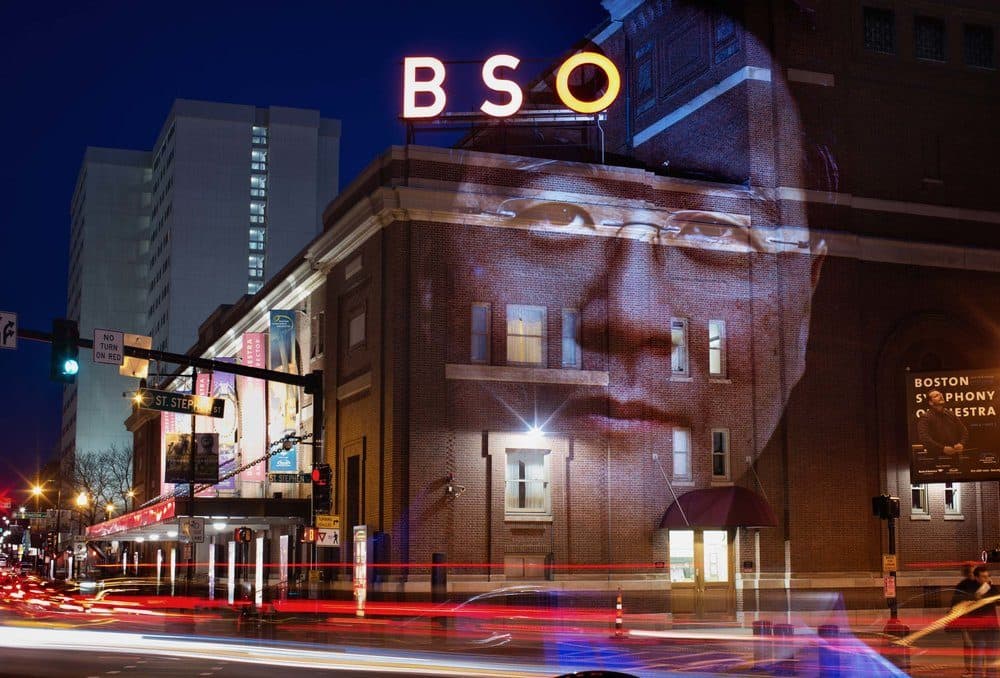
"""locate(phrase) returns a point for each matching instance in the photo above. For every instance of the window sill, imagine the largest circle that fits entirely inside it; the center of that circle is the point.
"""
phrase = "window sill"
(514, 518)
(530, 375)
(920, 516)
(954, 516)
(719, 380)
(682, 379)
(687, 482)
(721, 482)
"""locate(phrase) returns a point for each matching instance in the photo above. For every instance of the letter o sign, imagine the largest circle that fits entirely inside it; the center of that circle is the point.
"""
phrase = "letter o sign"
(584, 59)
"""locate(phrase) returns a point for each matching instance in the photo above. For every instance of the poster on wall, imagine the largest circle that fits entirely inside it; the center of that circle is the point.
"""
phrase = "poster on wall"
(178, 457)
(170, 423)
(954, 433)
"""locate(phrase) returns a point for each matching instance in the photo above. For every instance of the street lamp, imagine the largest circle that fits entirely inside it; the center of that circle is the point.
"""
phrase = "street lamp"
(110, 508)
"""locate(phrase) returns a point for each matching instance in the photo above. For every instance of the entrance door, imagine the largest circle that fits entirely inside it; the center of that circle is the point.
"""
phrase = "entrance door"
(701, 574)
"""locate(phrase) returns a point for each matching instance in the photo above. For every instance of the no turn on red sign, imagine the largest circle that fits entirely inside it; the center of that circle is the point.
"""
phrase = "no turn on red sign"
(109, 347)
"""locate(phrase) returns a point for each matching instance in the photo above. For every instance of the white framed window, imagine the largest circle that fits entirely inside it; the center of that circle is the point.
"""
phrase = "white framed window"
(528, 491)
(679, 347)
(682, 453)
(479, 351)
(356, 330)
(952, 499)
(717, 348)
(572, 356)
(526, 334)
(257, 207)
(720, 454)
(918, 500)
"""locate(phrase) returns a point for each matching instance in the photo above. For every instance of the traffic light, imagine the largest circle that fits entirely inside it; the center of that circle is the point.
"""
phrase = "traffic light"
(321, 477)
(885, 507)
(64, 362)
(243, 535)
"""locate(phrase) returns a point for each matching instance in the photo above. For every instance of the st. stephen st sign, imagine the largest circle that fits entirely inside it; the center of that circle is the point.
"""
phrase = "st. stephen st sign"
(425, 75)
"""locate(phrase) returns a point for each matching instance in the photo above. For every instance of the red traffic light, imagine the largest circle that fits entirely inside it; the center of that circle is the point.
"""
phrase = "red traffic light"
(316, 477)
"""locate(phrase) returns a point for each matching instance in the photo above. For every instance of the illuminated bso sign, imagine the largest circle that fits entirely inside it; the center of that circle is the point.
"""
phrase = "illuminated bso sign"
(426, 75)
(954, 432)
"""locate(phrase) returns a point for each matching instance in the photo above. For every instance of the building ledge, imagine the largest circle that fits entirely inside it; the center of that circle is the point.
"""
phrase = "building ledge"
(531, 375)
(355, 386)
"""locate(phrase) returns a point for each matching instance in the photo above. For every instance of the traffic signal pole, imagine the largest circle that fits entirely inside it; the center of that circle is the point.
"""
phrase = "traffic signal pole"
(311, 383)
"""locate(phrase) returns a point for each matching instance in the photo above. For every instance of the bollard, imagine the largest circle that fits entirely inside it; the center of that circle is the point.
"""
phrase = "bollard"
(762, 650)
(784, 649)
(619, 617)
(439, 578)
(898, 654)
(828, 650)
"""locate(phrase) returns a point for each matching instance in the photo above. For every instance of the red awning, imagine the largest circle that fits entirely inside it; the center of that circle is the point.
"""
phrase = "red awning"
(731, 506)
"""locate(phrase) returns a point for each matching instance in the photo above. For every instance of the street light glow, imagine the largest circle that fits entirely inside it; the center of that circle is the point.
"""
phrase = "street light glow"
(82, 500)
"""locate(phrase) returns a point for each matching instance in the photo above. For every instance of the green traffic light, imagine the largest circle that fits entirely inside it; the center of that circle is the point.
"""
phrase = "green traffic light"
(70, 366)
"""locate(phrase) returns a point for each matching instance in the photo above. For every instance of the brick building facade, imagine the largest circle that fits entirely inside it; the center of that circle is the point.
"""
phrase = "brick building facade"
(529, 363)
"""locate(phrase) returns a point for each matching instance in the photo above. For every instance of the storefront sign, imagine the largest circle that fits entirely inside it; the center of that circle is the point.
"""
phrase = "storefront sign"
(954, 432)
(426, 76)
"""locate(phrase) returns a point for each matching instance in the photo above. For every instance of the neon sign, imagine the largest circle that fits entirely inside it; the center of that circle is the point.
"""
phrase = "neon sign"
(434, 85)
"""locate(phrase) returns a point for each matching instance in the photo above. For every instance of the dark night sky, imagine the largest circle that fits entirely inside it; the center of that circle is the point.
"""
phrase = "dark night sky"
(105, 74)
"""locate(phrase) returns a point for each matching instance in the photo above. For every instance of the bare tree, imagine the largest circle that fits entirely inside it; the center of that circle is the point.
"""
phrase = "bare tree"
(106, 478)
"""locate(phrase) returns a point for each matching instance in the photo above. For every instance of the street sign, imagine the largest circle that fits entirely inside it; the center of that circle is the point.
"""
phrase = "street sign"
(288, 477)
(889, 563)
(185, 403)
(34, 515)
(327, 537)
(192, 529)
(8, 330)
(325, 522)
(890, 587)
(136, 367)
(109, 347)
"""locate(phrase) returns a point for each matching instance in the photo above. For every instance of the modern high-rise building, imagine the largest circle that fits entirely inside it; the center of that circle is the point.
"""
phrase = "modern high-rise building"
(159, 239)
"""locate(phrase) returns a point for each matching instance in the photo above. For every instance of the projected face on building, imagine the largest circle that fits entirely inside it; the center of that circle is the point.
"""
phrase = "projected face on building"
(691, 300)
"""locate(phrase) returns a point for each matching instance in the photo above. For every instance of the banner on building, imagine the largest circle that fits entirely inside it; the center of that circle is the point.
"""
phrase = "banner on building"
(205, 447)
(224, 387)
(954, 432)
(253, 409)
(283, 356)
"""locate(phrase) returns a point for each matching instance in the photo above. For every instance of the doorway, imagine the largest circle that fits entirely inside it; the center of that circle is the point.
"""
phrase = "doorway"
(701, 574)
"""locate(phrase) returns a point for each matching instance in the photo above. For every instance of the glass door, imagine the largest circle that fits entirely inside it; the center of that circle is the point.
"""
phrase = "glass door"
(701, 580)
